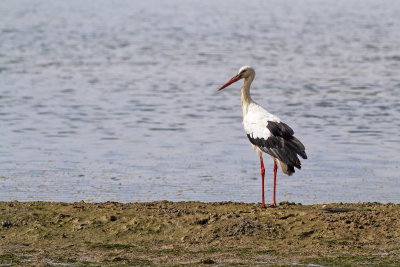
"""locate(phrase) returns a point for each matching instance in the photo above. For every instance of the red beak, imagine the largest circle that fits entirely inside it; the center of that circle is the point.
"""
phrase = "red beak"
(232, 80)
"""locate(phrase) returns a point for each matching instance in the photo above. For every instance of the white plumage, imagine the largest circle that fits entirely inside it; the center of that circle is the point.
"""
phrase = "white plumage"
(267, 133)
(255, 124)
(256, 120)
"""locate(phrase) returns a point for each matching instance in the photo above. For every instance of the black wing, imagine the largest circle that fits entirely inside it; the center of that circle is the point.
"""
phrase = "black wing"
(281, 144)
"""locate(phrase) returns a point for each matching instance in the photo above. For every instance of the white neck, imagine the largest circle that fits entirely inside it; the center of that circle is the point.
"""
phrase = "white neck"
(246, 99)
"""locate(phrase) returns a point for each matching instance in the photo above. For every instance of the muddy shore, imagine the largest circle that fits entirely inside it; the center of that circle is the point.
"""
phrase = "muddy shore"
(196, 233)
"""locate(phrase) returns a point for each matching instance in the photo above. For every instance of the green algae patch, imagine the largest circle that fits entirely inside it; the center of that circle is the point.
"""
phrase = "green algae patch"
(196, 233)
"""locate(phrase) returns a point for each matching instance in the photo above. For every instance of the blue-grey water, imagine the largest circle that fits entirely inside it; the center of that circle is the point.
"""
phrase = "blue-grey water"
(116, 100)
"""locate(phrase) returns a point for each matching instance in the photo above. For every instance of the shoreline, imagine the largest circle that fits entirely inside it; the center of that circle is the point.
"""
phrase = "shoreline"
(198, 233)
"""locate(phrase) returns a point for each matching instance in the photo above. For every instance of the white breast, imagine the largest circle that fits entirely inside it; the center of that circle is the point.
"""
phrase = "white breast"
(255, 121)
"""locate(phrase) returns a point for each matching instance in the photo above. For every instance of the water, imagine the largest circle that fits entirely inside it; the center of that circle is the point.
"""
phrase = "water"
(116, 100)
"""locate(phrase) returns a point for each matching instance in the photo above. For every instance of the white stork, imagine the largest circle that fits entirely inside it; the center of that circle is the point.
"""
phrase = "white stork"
(267, 133)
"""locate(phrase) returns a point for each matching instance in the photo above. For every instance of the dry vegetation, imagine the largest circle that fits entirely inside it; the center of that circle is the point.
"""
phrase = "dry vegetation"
(195, 233)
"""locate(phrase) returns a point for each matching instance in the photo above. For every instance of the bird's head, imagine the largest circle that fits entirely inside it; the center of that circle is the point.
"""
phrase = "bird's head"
(244, 73)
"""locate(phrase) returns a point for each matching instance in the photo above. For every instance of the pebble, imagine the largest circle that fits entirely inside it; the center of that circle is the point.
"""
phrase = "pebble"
(6, 223)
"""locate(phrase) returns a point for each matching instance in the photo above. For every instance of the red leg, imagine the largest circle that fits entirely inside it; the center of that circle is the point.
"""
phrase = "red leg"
(275, 169)
(262, 180)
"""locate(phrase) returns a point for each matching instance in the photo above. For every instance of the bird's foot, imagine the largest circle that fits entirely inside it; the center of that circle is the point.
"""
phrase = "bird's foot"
(273, 205)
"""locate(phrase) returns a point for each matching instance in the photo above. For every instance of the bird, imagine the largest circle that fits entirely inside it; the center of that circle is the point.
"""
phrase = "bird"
(267, 133)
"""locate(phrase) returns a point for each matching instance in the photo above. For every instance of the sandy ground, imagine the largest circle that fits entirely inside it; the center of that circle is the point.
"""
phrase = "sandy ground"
(196, 233)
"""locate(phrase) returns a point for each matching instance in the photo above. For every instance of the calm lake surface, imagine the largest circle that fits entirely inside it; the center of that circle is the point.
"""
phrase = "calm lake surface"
(116, 100)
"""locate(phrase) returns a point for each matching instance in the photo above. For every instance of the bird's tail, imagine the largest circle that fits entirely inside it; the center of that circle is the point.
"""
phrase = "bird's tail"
(285, 168)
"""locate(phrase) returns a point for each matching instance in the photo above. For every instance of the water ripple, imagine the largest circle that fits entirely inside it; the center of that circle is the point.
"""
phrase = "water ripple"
(117, 100)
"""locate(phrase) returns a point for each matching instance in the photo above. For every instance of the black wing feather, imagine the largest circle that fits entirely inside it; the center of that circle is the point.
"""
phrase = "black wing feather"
(281, 144)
